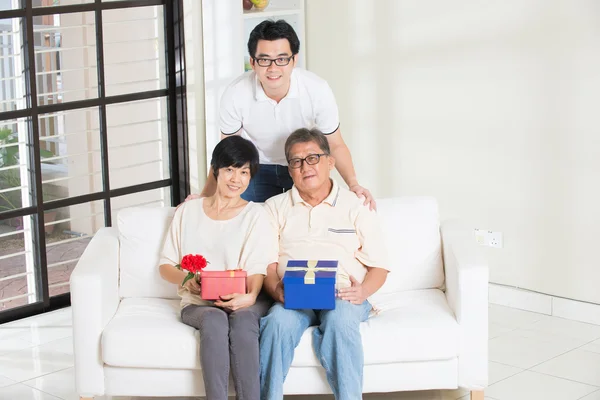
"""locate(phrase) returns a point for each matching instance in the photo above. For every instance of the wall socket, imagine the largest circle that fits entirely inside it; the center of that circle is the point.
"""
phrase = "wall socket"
(488, 238)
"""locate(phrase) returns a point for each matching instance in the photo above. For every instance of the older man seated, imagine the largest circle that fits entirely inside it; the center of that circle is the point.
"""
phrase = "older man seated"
(317, 219)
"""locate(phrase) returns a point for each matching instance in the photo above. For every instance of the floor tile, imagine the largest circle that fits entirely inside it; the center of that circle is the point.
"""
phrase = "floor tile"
(150, 398)
(511, 317)
(495, 330)
(416, 395)
(30, 363)
(63, 345)
(593, 396)
(566, 328)
(577, 365)
(529, 385)
(60, 384)
(526, 352)
(24, 392)
(10, 332)
(37, 334)
(498, 372)
(40, 329)
(58, 318)
(153, 398)
(593, 346)
(13, 344)
(4, 381)
(551, 337)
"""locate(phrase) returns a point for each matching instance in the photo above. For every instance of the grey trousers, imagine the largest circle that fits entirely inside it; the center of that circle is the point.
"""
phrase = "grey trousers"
(229, 339)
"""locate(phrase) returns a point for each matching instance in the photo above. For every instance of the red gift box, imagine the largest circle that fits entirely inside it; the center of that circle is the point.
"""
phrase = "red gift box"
(214, 284)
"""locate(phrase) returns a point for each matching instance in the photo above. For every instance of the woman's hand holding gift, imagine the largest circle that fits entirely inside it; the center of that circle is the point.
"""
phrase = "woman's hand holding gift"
(236, 301)
(192, 286)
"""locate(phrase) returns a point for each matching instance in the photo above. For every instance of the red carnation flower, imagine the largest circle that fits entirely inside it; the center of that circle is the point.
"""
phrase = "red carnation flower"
(193, 263)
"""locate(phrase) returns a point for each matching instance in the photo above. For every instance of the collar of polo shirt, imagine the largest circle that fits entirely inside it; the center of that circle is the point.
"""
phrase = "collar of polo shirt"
(331, 199)
(260, 95)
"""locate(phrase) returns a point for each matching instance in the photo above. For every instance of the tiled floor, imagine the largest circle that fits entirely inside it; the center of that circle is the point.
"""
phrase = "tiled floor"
(532, 356)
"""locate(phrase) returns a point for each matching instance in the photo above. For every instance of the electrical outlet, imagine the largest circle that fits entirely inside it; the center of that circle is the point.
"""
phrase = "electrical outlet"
(488, 238)
(495, 239)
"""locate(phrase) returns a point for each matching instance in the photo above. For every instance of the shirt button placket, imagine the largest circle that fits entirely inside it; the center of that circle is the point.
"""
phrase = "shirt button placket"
(315, 226)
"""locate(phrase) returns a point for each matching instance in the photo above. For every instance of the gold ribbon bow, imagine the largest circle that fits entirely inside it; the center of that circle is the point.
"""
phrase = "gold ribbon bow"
(311, 268)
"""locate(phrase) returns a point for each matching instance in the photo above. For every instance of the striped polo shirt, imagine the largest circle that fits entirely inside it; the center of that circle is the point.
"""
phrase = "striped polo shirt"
(339, 228)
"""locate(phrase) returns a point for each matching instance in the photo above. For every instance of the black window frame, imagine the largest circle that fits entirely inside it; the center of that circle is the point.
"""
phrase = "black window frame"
(175, 94)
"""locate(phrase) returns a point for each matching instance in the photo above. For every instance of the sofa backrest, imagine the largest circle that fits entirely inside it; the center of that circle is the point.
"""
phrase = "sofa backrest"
(141, 236)
(410, 229)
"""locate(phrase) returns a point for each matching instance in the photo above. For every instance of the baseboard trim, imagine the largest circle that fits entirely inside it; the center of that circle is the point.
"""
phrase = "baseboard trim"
(528, 300)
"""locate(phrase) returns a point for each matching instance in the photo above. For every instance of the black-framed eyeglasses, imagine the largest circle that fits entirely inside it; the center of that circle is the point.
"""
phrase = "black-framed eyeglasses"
(280, 61)
(310, 159)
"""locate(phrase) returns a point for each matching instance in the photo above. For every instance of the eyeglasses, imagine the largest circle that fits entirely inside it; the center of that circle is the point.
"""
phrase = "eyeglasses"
(310, 159)
(280, 62)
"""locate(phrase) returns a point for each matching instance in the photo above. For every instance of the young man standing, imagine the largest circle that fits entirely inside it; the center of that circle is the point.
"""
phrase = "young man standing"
(268, 103)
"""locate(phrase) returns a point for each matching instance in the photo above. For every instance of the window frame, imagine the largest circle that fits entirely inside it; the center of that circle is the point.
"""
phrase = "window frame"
(174, 93)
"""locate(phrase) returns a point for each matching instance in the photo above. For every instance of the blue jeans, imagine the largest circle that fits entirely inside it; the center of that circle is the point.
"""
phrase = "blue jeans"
(270, 180)
(336, 341)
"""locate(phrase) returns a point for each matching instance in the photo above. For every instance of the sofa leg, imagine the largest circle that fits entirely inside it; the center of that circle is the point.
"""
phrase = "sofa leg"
(476, 394)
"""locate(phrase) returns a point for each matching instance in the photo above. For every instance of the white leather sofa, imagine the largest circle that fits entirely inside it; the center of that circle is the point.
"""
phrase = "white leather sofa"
(432, 333)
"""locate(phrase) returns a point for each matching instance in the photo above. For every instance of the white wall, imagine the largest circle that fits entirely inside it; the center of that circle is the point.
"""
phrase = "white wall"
(194, 73)
(492, 107)
(223, 61)
(214, 53)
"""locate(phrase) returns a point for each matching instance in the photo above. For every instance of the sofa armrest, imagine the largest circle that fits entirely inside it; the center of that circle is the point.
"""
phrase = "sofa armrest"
(94, 301)
(467, 278)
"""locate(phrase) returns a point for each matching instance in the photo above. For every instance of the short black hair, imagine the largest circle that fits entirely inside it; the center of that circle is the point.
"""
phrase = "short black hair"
(273, 30)
(234, 151)
(304, 135)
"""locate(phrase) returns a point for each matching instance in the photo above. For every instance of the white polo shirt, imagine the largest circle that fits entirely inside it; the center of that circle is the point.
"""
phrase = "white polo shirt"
(309, 104)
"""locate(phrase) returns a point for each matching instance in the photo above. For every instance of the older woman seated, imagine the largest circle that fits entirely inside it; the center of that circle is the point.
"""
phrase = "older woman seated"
(230, 233)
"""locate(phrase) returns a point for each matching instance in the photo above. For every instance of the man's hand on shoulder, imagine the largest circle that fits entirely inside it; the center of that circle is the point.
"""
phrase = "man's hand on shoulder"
(362, 192)
(191, 197)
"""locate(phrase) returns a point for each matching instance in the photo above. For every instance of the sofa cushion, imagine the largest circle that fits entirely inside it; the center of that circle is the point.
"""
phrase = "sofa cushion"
(417, 326)
(148, 333)
(411, 232)
(141, 236)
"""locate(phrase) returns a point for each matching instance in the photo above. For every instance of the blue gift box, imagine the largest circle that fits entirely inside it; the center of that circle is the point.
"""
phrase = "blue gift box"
(309, 284)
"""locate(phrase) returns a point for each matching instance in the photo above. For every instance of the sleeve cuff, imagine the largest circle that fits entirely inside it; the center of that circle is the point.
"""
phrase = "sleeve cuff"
(232, 133)
(333, 131)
